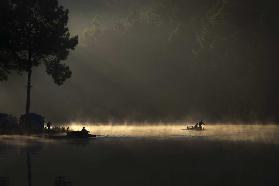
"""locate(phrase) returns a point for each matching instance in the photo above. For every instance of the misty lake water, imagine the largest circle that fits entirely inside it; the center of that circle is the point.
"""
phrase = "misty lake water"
(257, 133)
(147, 155)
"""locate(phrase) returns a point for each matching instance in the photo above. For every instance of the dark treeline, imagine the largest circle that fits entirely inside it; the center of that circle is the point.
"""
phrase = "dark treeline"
(167, 60)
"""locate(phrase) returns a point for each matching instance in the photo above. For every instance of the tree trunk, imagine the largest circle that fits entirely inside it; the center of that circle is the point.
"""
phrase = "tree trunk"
(28, 95)
(28, 100)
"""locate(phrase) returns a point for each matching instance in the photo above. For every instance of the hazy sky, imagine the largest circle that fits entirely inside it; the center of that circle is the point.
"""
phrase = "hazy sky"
(162, 60)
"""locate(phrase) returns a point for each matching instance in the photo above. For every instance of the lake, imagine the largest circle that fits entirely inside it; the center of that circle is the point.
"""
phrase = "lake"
(163, 154)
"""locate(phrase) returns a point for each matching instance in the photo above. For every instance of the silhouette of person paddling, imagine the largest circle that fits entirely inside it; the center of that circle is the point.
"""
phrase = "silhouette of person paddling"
(84, 131)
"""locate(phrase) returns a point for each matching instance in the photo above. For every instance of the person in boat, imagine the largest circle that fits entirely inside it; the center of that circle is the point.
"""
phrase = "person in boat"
(84, 131)
(48, 125)
(196, 125)
(200, 123)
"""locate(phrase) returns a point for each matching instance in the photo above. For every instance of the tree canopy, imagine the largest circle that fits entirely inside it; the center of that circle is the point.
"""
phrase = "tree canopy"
(39, 34)
(5, 57)
(35, 32)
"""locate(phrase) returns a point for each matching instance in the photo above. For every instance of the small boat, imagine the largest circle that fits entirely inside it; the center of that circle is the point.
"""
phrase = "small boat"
(195, 128)
(80, 134)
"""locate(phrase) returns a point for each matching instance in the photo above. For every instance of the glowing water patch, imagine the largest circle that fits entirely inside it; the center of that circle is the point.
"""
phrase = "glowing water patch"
(257, 133)
(252, 133)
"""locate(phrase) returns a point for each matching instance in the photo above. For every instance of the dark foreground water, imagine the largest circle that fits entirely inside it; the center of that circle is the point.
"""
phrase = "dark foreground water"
(242, 156)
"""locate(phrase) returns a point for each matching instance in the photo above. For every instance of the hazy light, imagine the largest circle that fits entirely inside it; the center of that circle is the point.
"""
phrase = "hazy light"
(256, 133)
(268, 134)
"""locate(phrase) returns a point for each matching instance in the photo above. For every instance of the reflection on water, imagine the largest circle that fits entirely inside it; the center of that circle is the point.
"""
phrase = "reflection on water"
(20, 140)
(257, 133)
(162, 155)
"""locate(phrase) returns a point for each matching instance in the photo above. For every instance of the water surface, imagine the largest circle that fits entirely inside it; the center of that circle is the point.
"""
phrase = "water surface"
(164, 155)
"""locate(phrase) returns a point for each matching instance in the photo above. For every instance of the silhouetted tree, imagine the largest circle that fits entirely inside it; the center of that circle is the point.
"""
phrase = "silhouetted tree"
(5, 57)
(37, 34)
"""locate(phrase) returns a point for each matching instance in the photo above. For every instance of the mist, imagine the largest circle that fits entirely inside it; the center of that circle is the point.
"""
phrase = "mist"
(162, 60)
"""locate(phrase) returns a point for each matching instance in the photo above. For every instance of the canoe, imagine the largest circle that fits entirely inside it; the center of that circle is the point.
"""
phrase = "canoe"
(195, 128)
(80, 134)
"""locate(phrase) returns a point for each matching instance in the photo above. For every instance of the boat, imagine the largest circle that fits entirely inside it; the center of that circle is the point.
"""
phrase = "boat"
(195, 128)
(80, 134)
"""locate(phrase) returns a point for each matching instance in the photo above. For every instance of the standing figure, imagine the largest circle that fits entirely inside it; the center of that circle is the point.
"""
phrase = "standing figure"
(48, 125)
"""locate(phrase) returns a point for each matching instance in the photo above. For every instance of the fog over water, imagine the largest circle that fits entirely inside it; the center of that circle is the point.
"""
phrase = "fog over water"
(268, 134)
(227, 132)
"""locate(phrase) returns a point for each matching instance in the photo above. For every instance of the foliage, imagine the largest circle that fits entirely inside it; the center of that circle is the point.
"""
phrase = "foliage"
(37, 33)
